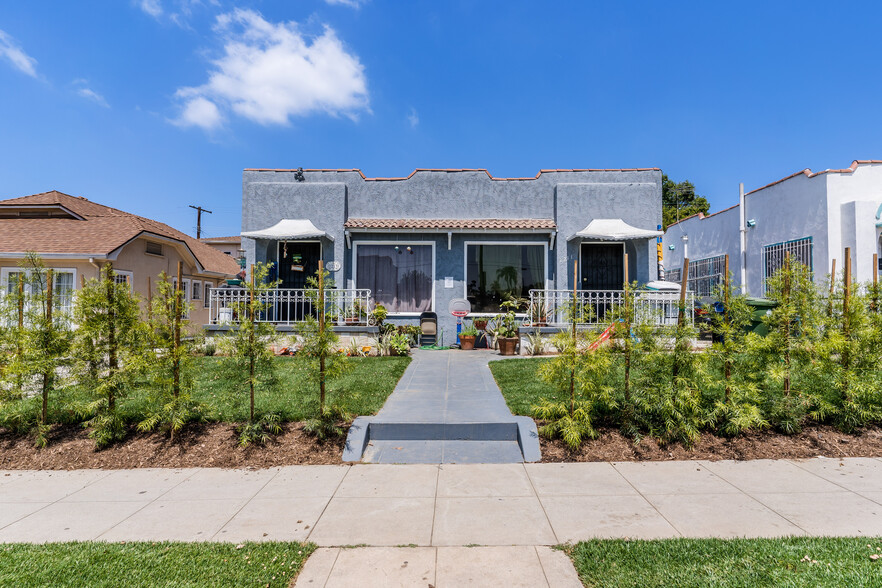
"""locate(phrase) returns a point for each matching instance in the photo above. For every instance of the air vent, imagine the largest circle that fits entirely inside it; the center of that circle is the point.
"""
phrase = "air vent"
(154, 248)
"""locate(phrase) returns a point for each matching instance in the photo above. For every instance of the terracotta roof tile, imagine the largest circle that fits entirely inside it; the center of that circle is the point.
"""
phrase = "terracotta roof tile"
(104, 230)
(452, 223)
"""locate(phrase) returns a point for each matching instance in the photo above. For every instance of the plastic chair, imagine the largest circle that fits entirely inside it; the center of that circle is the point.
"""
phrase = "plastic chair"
(428, 328)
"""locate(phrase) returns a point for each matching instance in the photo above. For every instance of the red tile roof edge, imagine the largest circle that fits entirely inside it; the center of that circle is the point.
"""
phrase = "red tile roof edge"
(807, 172)
(536, 177)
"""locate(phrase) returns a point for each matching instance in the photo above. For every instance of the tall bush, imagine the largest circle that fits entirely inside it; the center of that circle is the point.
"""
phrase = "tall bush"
(109, 349)
(169, 361)
(249, 363)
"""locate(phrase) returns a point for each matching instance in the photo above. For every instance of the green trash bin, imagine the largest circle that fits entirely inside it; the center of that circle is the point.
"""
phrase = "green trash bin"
(761, 307)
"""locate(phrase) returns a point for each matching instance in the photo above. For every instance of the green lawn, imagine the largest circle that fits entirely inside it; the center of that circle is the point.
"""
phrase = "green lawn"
(151, 564)
(362, 390)
(519, 382)
(733, 563)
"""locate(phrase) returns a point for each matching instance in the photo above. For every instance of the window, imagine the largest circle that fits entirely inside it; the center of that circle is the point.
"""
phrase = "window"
(773, 255)
(186, 295)
(207, 298)
(197, 290)
(399, 275)
(154, 248)
(497, 271)
(123, 277)
(674, 275)
(62, 286)
(706, 274)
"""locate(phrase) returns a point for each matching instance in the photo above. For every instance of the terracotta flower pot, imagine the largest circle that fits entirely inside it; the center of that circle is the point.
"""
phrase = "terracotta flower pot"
(480, 324)
(466, 343)
(507, 345)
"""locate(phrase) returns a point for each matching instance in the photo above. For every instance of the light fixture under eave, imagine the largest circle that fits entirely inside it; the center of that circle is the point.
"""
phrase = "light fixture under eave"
(751, 223)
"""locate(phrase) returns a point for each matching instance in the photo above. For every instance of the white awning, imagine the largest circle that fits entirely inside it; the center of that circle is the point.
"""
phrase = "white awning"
(614, 229)
(289, 229)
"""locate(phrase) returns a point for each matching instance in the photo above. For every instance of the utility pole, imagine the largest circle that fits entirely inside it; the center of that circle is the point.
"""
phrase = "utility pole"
(199, 210)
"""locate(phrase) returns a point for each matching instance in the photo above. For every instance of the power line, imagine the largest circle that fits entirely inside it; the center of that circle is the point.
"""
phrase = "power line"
(199, 210)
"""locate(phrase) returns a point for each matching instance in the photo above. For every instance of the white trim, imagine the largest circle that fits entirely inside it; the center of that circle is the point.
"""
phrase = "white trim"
(624, 254)
(206, 287)
(130, 277)
(355, 245)
(465, 267)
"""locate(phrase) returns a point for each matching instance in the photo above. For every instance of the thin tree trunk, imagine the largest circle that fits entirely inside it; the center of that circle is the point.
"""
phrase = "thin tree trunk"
(681, 318)
(846, 323)
(47, 375)
(111, 337)
(728, 362)
(176, 366)
(251, 343)
(786, 300)
(573, 365)
(321, 288)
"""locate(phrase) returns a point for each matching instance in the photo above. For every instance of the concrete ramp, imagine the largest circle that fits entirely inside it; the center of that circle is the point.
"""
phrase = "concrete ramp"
(446, 409)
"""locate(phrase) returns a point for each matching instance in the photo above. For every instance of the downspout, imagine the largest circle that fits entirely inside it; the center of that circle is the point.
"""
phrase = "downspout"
(743, 230)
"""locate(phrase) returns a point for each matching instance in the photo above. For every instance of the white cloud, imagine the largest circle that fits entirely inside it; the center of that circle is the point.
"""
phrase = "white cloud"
(413, 118)
(271, 71)
(200, 112)
(349, 3)
(151, 7)
(12, 52)
(82, 89)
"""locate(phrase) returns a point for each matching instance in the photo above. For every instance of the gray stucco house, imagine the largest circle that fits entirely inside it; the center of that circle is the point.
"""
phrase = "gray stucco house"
(813, 216)
(420, 241)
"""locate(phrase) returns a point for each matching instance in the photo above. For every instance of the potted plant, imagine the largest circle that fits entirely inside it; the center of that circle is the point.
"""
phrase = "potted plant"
(467, 336)
(480, 323)
(355, 313)
(378, 315)
(539, 312)
(507, 334)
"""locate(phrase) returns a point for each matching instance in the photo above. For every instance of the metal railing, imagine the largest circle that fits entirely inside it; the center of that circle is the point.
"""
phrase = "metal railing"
(594, 308)
(288, 306)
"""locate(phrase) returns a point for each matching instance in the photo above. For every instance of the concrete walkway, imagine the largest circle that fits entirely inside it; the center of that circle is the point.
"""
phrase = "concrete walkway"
(446, 408)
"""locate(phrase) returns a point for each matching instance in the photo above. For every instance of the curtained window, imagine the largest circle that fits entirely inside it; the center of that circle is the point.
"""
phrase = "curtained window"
(399, 276)
(496, 272)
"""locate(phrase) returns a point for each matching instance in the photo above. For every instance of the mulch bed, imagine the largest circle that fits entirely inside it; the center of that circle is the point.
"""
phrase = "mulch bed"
(214, 445)
(813, 441)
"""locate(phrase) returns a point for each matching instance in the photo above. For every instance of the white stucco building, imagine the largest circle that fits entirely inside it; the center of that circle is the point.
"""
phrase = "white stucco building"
(813, 215)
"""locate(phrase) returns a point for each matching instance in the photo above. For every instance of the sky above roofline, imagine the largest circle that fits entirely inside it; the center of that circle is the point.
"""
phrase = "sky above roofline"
(159, 104)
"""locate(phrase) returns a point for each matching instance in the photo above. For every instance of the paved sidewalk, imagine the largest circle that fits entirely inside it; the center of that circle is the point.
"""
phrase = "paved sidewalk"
(447, 505)
(441, 567)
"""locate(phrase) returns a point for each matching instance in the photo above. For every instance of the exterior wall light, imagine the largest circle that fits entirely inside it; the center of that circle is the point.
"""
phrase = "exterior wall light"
(751, 223)
(671, 247)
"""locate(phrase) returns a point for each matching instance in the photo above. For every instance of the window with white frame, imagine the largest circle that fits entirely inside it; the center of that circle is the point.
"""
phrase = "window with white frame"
(800, 250)
(186, 294)
(706, 274)
(63, 281)
(497, 271)
(207, 298)
(197, 290)
(674, 275)
(399, 275)
(123, 277)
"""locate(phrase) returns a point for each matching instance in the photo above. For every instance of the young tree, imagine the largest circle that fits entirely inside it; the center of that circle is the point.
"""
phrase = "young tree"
(249, 364)
(109, 347)
(42, 335)
(784, 357)
(322, 346)
(169, 360)
(737, 407)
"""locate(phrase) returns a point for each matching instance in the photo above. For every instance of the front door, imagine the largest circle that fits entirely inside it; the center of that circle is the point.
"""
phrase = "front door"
(603, 266)
(298, 261)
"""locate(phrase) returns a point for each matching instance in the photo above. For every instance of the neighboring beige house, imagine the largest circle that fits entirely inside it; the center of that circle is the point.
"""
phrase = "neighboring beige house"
(75, 236)
(231, 246)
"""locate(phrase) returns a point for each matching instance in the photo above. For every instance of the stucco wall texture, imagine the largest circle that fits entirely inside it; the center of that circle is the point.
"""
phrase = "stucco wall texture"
(836, 209)
(571, 198)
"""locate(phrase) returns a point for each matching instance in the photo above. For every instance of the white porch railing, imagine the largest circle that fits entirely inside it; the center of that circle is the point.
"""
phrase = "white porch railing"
(553, 307)
(288, 306)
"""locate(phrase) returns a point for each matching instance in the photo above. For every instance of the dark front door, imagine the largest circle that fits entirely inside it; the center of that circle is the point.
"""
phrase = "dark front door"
(602, 266)
(297, 262)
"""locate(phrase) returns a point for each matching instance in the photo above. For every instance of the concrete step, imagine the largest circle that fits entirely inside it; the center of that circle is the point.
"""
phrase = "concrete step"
(441, 451)
(377, 440)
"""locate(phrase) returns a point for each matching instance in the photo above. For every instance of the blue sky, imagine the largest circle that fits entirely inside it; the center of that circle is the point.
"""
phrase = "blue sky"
(151, 105)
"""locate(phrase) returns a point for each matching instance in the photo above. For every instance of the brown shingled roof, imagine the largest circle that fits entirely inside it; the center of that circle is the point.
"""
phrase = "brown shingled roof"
(452, 223)
(102, 231)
